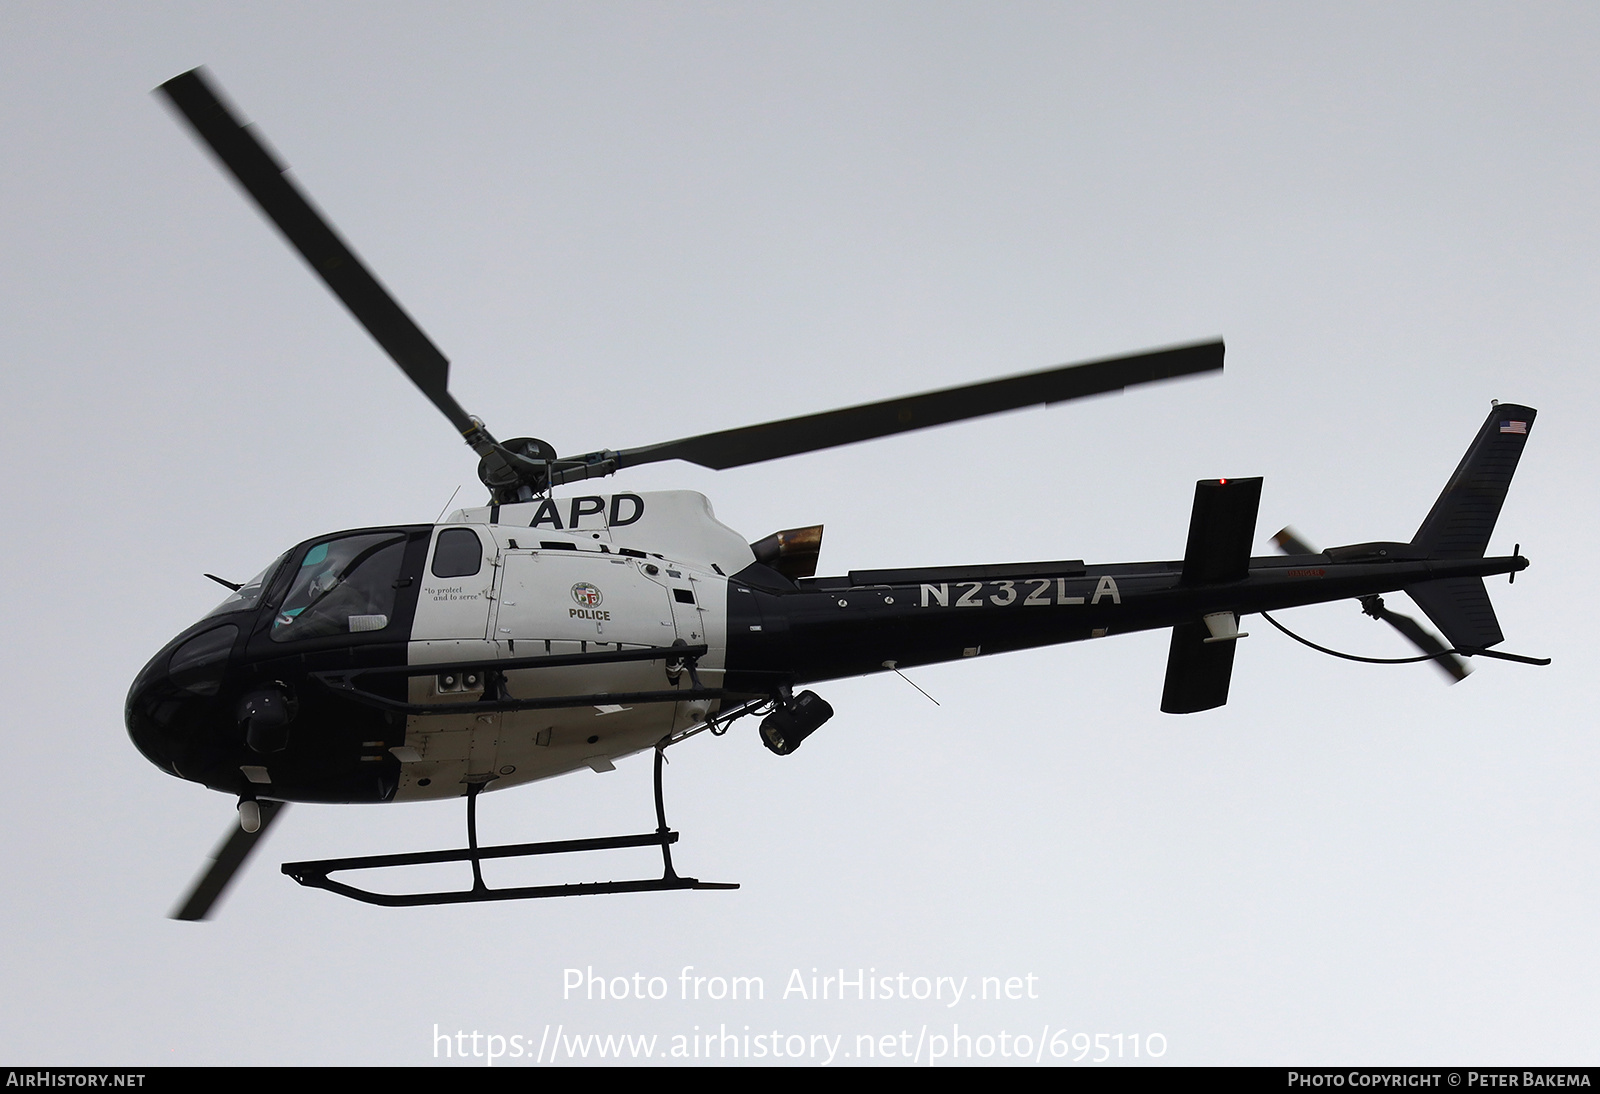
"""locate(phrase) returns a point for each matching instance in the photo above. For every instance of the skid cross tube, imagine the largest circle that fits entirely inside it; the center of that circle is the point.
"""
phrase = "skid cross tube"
(315, 874)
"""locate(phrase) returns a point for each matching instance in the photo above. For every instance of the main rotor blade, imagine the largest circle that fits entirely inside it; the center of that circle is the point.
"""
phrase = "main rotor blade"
(309, 233)
(226, 861)
(791, 436)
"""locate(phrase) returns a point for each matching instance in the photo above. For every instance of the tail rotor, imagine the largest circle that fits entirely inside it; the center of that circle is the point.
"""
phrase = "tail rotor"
(1419, 636)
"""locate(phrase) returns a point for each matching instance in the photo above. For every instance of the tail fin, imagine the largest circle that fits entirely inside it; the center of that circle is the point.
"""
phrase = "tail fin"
(1460, 608)
(1463, 518)
(1461, 522)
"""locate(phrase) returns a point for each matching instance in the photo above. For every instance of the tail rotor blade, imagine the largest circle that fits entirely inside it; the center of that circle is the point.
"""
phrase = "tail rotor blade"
(1290, 543)
(1426, 641)
(226, 861)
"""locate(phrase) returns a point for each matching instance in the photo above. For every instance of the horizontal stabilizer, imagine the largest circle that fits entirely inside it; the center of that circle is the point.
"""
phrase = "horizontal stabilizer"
(1222, 527)
(1198, 671)
(1460, 608)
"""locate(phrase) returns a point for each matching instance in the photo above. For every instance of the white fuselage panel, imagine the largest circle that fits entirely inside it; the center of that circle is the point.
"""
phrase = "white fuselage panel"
(549, 592)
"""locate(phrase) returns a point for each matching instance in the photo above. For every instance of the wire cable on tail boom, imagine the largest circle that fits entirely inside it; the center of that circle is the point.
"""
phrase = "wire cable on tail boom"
(1407, 660)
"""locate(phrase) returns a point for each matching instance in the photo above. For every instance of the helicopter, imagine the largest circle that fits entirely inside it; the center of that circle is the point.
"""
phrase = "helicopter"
(538, 634)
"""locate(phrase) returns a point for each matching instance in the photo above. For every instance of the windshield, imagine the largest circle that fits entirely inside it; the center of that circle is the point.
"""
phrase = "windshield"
(248, 595)
(344, 585)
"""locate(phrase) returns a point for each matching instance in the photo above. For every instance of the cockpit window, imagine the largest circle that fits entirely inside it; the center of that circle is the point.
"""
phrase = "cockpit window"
(344, 586)
(248, 595)
(197, 665)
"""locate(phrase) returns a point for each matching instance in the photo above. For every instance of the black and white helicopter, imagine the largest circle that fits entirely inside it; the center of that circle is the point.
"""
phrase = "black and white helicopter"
(538, 635)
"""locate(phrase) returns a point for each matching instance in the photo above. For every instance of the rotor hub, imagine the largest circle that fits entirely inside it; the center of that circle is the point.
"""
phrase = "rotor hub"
(508, 482)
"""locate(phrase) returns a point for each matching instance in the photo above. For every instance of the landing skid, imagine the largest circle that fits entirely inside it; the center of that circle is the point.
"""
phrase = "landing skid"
(315, 874)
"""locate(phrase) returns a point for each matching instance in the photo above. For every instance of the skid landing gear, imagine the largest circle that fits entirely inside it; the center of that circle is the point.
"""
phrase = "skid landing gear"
(315, 874)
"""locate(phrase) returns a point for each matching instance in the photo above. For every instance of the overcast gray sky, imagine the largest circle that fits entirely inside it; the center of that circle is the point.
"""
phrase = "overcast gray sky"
(631, 222)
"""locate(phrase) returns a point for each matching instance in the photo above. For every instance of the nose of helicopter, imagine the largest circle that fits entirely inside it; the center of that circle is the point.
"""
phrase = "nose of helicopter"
(174, 710)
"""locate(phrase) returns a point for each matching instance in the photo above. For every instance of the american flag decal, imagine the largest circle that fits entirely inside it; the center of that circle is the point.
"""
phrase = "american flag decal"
(1514, 427)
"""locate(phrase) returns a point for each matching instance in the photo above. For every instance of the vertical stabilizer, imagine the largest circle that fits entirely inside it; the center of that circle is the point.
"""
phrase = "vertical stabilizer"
(1463, 518)
(1461, 522)
(1460, 608)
